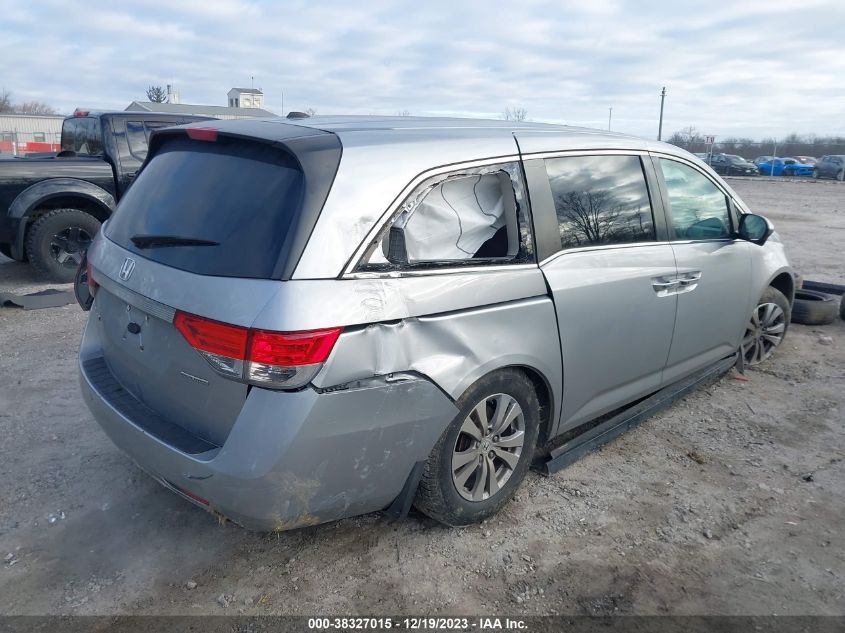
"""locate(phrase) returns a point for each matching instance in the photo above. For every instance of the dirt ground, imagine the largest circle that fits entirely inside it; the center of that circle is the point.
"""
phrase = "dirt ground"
(752, 523)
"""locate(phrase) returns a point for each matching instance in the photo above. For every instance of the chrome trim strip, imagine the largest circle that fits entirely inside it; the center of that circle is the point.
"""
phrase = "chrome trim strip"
(605, 247)
(406, 191)
(393, 274)
(150, 306)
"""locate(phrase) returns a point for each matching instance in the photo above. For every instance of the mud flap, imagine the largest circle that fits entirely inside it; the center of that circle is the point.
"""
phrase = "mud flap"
(402, 504)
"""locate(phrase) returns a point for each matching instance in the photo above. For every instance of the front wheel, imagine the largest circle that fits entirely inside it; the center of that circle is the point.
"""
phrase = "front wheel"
(57, 240)
(482, 457)
(766, 328)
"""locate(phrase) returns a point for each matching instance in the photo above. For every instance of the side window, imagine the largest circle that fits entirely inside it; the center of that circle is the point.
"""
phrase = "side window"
(600, 200)
(699, 208)
(137, 139)
(470, 217)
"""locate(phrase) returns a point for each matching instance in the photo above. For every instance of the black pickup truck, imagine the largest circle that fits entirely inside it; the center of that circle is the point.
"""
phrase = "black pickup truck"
(51, 207)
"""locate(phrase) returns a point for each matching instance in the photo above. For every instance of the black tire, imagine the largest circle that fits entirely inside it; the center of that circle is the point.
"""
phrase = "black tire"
(438, 495)
(825, 287)
(59, 262)
(814, 308)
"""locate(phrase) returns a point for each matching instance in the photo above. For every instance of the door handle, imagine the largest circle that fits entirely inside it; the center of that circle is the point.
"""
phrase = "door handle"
(687, 282)
(663, 286)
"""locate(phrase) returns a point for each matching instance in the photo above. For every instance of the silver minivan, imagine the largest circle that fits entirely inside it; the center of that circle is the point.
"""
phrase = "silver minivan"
(301, 320)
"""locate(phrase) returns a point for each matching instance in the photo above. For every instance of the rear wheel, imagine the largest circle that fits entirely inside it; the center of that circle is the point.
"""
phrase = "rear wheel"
(57, 240)
(766, 328)
(482, 457)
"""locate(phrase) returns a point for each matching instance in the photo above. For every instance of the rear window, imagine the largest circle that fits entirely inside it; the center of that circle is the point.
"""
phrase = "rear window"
(239, 198)
(83, 135)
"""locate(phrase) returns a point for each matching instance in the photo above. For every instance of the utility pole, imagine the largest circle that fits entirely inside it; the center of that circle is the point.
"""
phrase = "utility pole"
(660, 127)
(609, 117)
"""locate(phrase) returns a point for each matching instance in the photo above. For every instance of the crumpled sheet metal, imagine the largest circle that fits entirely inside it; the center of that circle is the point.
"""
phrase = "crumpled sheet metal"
(454, 349)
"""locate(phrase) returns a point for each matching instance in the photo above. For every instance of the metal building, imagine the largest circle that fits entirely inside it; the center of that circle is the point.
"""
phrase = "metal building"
(218, 112)
(21, 134)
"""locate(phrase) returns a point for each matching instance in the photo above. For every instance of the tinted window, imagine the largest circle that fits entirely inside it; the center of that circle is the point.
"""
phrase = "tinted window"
(137, 139)
(600, 200)
(699, 208)
(467, 217)
(243, 196)
(83, 136)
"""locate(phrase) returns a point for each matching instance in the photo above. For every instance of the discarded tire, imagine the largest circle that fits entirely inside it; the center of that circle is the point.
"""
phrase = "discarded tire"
(814, 308)
(823, 286)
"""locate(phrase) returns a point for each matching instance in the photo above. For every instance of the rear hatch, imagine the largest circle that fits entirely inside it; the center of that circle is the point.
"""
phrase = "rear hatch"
(211, 227)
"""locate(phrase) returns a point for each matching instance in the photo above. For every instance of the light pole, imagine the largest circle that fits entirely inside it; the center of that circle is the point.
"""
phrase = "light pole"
(662, 99)
(609, 117)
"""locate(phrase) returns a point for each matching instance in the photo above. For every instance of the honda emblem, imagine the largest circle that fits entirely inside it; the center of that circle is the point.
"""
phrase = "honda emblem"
(127, 268)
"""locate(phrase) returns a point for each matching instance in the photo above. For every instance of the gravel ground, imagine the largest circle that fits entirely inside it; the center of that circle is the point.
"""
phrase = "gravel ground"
(730, 502)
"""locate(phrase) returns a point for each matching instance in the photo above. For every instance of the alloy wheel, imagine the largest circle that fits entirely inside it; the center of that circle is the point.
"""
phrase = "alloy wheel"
(764, 333)
(488, 447)
(68, 245)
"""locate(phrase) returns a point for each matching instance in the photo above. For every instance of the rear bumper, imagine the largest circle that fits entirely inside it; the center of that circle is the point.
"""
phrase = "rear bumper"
(292, 458)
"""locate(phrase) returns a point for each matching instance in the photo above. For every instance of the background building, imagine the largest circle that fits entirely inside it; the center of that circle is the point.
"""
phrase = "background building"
(25, 133)
(244, 103)
(246, 98)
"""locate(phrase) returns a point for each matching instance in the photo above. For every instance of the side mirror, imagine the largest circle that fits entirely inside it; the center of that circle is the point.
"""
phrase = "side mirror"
(755, 228)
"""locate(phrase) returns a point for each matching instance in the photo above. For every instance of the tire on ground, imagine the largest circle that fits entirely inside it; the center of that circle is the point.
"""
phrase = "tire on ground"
(813, 308)
(437, 495)
(41, 233)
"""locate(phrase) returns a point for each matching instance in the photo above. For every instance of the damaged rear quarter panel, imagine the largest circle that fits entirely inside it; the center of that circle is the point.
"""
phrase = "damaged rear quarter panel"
(454, 348)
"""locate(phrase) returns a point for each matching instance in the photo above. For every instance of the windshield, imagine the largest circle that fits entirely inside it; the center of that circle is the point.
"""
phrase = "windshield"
(223, 208)
(82, 135)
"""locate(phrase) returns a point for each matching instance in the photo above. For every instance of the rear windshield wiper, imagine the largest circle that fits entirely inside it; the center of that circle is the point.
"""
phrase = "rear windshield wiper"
(150, 241)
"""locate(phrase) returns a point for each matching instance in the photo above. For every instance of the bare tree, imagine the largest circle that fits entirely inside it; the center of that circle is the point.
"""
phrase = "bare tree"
(515, 114)
(6, 101)
(310, 111)
(596, 217)
(156, 94)
(34, 107)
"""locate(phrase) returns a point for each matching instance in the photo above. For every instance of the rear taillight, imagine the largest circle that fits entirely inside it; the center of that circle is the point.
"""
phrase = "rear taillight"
(278, 360)
(92, 283)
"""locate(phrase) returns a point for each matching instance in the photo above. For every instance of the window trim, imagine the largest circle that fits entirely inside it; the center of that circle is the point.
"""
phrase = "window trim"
(351, 270)
(730, 202)
(144, 131)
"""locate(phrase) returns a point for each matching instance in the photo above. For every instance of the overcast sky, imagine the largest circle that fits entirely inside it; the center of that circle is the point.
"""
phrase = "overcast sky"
(731, 67)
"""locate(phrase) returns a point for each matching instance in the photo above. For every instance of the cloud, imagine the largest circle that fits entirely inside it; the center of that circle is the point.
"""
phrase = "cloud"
(755, 68)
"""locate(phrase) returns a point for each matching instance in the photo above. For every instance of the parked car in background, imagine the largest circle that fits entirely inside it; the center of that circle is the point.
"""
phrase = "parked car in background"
(762, 159)
(52, 206)
(830, 167)
(732, 165)
(806, 160)
(287, 338)
(794, 167)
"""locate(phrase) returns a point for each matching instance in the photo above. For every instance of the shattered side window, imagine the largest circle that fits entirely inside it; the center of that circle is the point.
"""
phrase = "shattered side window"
(470, 217)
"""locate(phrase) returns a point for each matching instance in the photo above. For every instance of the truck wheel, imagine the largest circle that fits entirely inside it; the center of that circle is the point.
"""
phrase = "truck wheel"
(482, 457)
(56, 240)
